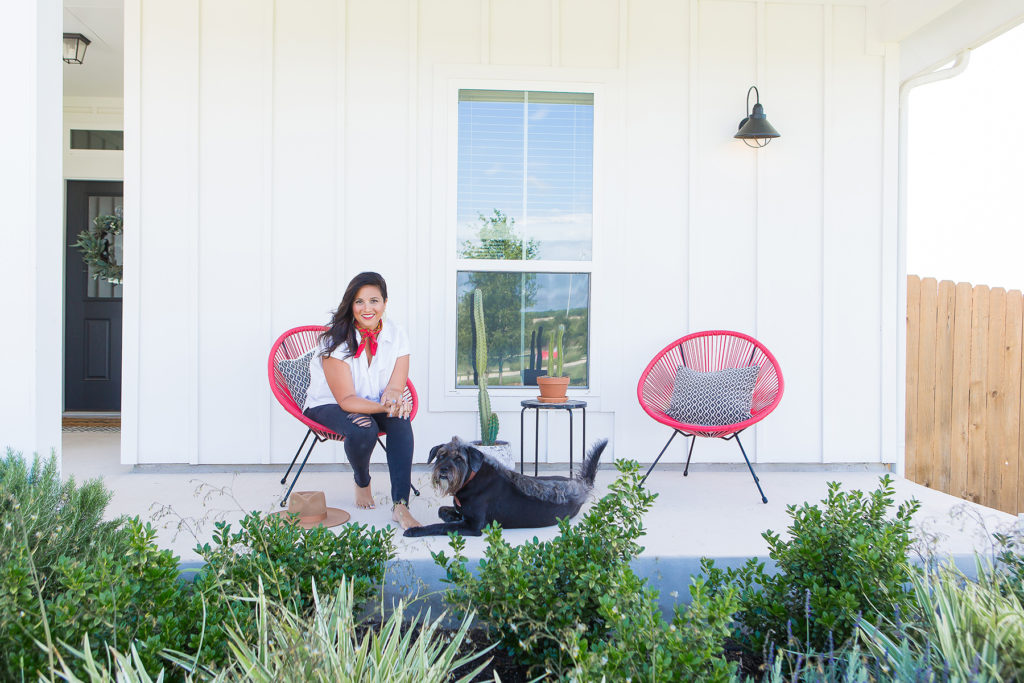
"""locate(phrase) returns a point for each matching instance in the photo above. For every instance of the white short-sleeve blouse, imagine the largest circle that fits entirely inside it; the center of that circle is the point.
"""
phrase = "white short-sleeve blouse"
(369, 380)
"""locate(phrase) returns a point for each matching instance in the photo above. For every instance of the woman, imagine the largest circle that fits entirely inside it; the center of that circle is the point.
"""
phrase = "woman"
(356, 386)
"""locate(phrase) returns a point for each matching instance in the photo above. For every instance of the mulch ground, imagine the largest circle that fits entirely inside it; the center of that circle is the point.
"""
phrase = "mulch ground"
(507, 667)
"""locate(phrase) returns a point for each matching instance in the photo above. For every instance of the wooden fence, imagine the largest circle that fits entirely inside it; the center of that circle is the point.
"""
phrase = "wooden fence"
(964, 405)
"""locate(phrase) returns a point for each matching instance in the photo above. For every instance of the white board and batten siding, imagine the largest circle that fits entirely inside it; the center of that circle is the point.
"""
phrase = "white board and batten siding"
(284, 146)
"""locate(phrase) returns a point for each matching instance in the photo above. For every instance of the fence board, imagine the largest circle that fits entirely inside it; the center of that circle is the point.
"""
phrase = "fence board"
(1007, 461)
(965, 391)
(945, 306)
(913, 348)
(976, 444)
(960, 402)
(926, 442)
(995, 412)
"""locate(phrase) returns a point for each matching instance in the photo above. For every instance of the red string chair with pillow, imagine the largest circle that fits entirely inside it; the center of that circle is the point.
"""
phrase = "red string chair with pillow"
(288, 370)
(712, 384)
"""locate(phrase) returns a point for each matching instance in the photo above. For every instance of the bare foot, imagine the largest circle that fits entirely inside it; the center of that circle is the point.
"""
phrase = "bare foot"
(400, 513)
(364, 497)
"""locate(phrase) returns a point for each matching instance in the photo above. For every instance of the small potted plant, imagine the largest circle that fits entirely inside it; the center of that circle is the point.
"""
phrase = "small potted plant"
(554, 385)
(531, 373)
(488, 443)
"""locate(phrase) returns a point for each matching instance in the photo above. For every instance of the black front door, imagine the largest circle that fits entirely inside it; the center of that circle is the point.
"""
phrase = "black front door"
(92, 308)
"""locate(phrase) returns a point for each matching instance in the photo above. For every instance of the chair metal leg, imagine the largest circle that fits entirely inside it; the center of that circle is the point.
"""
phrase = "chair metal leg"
(693, 440)
(414, 489)
(284, 501)
(756, 480)
(674, 432)
(299, 450)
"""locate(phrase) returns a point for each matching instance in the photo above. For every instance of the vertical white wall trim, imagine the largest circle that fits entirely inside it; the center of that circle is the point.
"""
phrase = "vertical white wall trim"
(341, 145)
(485, 32)
(192, 283)
(412, 218)
(826, 117)
(692, 189)
(556, 32)
(891, 405)
(759, 71)
(132, 299)
(267, 232)
(623, 37)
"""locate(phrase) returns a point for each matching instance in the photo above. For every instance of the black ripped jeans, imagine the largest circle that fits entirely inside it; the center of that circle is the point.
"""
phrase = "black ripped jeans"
(359, 443)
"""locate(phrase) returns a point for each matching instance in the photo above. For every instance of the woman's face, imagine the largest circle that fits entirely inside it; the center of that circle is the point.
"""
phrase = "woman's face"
(368, 306)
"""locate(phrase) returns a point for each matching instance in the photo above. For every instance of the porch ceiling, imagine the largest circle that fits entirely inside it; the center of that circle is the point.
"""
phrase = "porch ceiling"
(102, 72)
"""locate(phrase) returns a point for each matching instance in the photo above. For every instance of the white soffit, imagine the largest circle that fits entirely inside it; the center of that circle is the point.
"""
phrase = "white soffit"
(102, 73)
(964, 25)
(900, 18)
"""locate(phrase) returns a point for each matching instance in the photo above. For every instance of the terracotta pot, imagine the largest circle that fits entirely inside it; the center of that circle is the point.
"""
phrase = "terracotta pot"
(552, 389)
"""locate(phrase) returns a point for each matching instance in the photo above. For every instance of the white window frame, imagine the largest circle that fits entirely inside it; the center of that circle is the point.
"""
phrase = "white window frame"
(444, 395)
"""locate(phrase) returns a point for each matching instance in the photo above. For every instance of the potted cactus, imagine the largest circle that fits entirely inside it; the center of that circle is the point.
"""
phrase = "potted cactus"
(554, 385)
(488, 443)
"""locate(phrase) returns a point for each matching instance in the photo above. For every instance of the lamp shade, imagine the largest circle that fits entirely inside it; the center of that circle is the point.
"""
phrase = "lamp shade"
(755, 130)
(74, 47)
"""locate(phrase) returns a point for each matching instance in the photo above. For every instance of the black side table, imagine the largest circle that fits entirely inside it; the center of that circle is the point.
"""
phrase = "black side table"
(537, 406)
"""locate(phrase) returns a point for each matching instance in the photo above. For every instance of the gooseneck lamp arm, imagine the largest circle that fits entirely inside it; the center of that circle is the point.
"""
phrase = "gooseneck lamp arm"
(754, 130)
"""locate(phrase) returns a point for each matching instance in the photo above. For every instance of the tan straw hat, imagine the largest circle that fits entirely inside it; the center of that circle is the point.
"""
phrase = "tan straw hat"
(311, 507)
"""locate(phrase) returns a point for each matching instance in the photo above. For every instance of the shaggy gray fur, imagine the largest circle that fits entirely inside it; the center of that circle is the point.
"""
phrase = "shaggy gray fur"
(556, 491)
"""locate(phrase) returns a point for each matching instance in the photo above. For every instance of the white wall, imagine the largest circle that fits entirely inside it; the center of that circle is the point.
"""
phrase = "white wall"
(92, 113)
(31, 260)
(277, 148)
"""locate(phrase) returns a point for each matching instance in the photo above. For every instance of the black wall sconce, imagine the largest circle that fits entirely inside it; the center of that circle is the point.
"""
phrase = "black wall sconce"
(755, 130)
(74, 47)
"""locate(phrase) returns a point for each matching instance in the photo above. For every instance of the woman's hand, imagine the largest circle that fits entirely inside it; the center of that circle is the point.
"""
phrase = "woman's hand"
(395, 405)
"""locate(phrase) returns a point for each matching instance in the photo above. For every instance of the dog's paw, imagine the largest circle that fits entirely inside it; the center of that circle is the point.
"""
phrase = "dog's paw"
(449, 514)
(414, 532)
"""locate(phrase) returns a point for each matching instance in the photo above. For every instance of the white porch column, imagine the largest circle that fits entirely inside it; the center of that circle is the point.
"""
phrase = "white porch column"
(31, 311)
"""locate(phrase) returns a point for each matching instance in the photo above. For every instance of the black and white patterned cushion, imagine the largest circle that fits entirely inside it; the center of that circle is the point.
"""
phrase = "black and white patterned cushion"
(296, 376)
(715, 398)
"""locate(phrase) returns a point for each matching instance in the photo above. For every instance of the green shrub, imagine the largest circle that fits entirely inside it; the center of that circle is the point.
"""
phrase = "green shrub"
(531, 595)
(1010, 563)
(286, 560)
(844, 559)
(640, 645)
(64, 572)
(115, 599)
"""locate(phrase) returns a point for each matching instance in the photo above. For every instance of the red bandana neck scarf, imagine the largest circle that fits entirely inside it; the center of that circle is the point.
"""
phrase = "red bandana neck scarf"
(369, 337)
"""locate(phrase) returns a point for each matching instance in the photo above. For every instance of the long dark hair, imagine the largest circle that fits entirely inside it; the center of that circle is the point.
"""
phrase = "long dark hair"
(342, 328)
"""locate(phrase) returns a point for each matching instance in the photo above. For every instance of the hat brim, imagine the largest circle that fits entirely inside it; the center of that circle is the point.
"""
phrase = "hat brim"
(335, 517)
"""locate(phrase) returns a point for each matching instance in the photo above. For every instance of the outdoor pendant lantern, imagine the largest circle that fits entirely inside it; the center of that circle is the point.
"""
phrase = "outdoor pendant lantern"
(74, 47)
(755, 130)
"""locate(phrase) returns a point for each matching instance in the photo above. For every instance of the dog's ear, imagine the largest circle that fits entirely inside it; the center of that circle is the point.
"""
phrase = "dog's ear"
(433, 453)
(475, 458)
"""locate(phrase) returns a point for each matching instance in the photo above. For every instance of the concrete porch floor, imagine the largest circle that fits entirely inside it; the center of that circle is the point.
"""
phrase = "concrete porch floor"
(715, 512)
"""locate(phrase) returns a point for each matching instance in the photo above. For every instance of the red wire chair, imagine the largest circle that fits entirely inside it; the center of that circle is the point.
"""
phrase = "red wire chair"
(292, 344)
(708, 352)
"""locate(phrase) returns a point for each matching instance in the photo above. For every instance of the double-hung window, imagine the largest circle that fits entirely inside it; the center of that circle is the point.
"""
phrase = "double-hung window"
(524, 232)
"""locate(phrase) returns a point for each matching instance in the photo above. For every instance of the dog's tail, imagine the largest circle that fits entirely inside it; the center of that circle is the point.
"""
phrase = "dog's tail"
(588, 472)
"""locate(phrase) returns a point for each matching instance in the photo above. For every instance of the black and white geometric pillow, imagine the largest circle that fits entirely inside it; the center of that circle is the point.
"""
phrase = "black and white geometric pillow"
(296, 376)
(715, 398)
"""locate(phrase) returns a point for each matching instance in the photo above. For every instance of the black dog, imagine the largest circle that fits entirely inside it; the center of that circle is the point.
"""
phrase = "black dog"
(486, 491)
